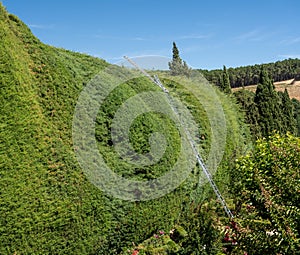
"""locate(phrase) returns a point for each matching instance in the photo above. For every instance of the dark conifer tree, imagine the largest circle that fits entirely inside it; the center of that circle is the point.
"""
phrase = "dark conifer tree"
(296, 105)
(245, 99)
(288, 118)
(268, 105)
(175, 51)
(177, 66)
(225, 81)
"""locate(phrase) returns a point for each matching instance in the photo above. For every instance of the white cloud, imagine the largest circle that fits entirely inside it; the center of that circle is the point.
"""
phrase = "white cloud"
(289, 56)
(146, 61)
(255, 35)
(157, 38)
(291, 40)
(194, 36)
(120, 38)
(38, 26)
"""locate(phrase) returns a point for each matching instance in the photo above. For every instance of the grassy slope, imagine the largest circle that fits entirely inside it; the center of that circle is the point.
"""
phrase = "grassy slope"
(46, 204)
(44, 199)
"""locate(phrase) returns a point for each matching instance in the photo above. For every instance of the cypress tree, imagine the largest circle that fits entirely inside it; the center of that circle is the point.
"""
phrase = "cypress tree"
(268, 105)
(225, 81)
(175, 51)
(296, 105)
(288, 118)
(177, 66)
(245, 99)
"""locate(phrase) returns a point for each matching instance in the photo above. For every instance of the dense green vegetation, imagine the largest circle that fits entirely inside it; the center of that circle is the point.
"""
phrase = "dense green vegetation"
(266, 184)
(267, 110)
(296, 105)
(47, 205)
(225, 81)
(249, 75)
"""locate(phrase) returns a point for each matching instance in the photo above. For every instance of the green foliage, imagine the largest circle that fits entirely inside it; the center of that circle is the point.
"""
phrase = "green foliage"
(177, 66)
(200, 236)
(175, 51)
(172, 203)
(47, 205)
(267, 110)
(245, 99)
(141, 129)
(159, 243)
(296, 105)
(266, 186)
(225, 82)
(287, 108)
(249, 75)
(194, 233)
(268, 105)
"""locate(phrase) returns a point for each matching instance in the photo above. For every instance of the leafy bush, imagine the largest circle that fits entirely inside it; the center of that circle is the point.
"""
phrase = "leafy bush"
(266, 185)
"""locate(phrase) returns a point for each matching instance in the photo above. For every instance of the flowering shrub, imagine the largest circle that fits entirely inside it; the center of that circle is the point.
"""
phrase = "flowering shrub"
(135, 252)
(159, 244)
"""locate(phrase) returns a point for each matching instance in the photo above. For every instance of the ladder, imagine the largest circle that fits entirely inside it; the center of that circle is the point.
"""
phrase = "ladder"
(156, 80)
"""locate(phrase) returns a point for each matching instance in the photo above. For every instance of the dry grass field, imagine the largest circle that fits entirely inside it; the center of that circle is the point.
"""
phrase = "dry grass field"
(292, 86)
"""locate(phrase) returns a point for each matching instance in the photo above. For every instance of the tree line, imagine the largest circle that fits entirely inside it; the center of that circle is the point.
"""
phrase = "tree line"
(267, 110)
(250, 75)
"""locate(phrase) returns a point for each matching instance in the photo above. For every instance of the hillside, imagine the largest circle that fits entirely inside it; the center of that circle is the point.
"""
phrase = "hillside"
(47, 204)
(292, 86)
(249, 75)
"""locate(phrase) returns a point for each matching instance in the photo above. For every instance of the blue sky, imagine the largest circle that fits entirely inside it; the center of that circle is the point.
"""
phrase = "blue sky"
(209, 34)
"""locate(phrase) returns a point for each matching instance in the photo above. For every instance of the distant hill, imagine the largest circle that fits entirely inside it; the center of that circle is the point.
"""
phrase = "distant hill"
(292, 86)
(249, 75)
(47, 205)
